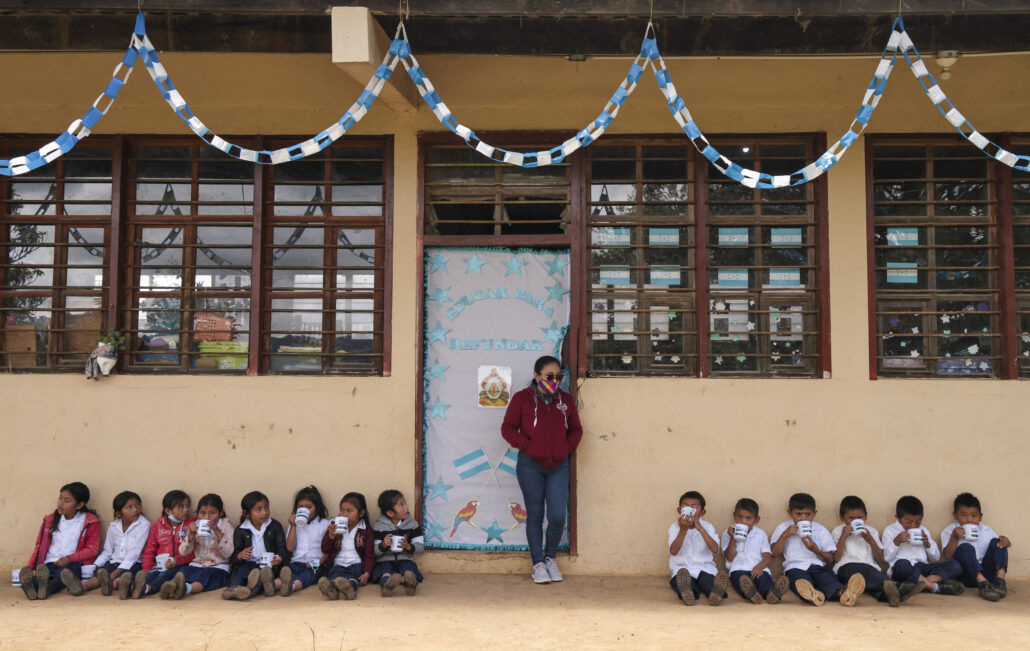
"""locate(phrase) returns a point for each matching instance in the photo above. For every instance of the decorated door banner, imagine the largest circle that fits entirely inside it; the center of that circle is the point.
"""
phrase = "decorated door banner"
(489, 314)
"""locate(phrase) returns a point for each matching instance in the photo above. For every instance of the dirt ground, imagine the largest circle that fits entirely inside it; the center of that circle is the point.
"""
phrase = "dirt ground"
(485, 611)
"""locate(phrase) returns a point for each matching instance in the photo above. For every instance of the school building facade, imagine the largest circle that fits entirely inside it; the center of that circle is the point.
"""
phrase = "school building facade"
(866, 333)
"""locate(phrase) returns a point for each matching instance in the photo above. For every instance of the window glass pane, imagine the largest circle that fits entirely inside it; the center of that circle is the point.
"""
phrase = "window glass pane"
(30, 251)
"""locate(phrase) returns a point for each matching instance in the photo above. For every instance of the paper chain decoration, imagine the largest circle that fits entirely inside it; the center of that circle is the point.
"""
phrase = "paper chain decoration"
(400, 52)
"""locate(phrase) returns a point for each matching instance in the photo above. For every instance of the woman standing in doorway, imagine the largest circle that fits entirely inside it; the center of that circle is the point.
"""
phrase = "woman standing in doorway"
(542, 424)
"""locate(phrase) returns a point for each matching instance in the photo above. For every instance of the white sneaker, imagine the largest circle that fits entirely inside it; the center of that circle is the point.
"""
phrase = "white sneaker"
(552, 570)
(540, 574)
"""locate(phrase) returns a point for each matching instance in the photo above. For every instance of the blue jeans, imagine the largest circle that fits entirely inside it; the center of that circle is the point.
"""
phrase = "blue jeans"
(383, 569)
(543, 486)
(905, 570)
(301, 572)
(995, 559)
(764, 582)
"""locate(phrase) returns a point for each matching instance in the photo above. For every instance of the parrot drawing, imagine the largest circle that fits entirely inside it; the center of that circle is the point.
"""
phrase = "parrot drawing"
(464, 514)
(518, 513)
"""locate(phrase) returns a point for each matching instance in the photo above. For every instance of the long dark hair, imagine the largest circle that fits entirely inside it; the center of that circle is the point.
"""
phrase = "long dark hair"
(80, 492)
(540, 363)
(359, 502)
(212, 499)
(311, 494)
(249, 501)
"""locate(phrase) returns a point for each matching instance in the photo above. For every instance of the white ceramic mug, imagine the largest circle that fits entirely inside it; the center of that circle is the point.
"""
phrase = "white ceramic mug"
(88, 571)
(204, 528)
(740, 532)
(805, 528)
(16, 578)
(972, 532)
(161, 561)
(915, 536)
(857, 525)
(341, 524)
(301, 516)
(266, 559)
(396, 543)
(688, 511)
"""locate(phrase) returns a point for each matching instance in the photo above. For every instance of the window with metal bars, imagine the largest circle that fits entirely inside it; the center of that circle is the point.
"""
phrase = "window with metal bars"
(1020, 196)
(54, 234)
(935, 265)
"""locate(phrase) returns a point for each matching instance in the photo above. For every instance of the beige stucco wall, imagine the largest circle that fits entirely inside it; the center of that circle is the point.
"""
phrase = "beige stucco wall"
(646, 441)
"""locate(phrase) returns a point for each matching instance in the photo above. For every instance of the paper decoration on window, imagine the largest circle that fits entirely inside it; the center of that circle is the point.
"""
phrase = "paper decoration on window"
(902, 272)
(790, 277)
(733, 237)
(785, 237)
(612, 275)
(611, 236)
(731, 319)
(660, 323)
(664, 275)
(732, 277)
(663, 236)
(903, 236)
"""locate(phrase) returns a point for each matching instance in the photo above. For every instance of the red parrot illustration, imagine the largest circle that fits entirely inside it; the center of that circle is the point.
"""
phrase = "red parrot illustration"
(465, 514)
(518, 513)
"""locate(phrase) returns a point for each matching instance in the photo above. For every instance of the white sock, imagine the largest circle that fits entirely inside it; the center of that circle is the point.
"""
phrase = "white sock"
(936, 587)
(189, 588)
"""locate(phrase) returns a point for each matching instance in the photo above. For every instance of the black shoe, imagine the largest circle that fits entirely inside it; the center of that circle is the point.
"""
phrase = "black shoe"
(909, 588)
(72, 582)
(42, 582)
(27, 579)
(890, 588)
(683, 585)
(106, 584)
(950, 587)
(987, 591)
(1001, 587)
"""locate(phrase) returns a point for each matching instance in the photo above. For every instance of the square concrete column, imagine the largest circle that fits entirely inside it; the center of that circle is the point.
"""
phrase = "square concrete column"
(359, 45)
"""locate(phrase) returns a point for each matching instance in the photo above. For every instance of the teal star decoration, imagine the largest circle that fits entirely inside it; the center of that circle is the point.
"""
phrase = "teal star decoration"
(493, 532)
(554, 333)
(437, 410)
(474, 264)
(437, 333)
(555, 292)
(441, 295)
(556, 266)
(438, 261)
(514, 266)
(435, 529)
(436, 371)
(439, 489)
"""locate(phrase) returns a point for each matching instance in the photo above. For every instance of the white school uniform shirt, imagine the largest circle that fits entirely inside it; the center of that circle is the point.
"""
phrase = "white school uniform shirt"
(257, 540)
(348, 553)
(65, 540)
(309, 540)
(912, 553)
(749, 553)
(980, 544)
(124, 547)
(795, 555)
(694, 555)
(856, 549)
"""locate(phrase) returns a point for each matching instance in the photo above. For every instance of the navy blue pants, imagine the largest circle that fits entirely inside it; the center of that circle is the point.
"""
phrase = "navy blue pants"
(384, 569)
(304, 574)
(820, 576)
(112, 566)
(874, 578)
(995, 559)
(905, 570)
(54, 585)
(349, 572)
(764, 583)
(211, 578)
(157, 578)
(543, 487)
(243, 570)
(702, 585)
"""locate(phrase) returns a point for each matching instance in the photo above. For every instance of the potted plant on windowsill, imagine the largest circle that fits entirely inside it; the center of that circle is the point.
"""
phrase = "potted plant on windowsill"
(103, 358)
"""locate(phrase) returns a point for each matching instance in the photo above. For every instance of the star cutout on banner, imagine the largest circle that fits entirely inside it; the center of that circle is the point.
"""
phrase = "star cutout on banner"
(553, 333)
(556, 266)
(435, 529)
(514, 266)
(438, 261)
(474, 264)
(436, 371)
(439, 489)
(494, 532)
(441, 295)
(437, 333)
(437, 410)
(555, 292)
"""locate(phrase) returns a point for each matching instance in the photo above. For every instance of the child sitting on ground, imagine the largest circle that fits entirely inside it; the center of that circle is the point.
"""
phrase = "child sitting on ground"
(161, 557)
(692, 545)
(806, 547)
(209, 569)
(912, 553)
(747, 560)
(981, 552)
(259, 549)
(859, 552)
(304, 541)
(68, 539)
(396, 567)
(347, 544)
(123, 547)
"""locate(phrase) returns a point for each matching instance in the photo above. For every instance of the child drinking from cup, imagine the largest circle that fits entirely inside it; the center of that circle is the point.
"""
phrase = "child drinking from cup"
(161, 556)
(398, 540)
(259, 548)
(348, 544)
(68, 539)
(210, 542)
(859, 552)
(308, 525)
(981, 552)
(913, 555)
(692, 545)
(747, 553)
(123, 547)
(806, 547)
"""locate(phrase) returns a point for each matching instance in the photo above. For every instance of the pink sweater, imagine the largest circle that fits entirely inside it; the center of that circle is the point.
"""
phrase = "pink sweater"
(208, 553)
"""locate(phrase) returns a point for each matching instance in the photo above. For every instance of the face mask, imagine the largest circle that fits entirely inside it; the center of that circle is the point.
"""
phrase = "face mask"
(547, 387)
(173, 519)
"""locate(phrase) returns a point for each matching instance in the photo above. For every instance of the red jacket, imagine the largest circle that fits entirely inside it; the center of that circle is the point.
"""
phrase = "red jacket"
(85, 552)
(164, 538)
(364, 544)
(547, 433)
